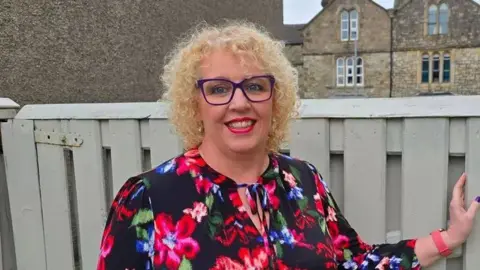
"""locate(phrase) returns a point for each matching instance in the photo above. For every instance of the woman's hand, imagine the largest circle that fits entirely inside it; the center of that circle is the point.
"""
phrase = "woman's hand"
(461, 219)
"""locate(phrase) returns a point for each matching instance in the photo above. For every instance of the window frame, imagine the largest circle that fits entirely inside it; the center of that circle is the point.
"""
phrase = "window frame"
(346, 63)
(351, 25)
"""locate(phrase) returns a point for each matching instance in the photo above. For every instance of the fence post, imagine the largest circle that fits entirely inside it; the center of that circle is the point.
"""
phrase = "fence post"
(8, 110)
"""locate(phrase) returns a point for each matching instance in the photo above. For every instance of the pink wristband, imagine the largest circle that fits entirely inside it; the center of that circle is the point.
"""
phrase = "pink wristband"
(440, 244)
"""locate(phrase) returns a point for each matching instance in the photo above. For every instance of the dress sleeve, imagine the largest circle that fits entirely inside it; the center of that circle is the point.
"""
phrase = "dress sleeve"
(351, 251)
(127, 240)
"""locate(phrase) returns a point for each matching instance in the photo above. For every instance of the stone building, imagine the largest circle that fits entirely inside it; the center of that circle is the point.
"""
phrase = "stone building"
(418, 46)
(343, 29)
(104, 51)
(436, 47)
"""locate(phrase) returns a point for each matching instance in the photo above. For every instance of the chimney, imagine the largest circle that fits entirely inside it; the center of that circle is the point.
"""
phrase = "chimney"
(326, 3)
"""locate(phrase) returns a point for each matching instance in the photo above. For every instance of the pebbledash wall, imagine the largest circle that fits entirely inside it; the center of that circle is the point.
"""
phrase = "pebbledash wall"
(390, 163)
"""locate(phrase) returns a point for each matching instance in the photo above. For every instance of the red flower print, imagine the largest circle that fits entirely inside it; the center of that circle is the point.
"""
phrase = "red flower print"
(189, 164)
(202, 185)
(300, 240)
(319, 204)
(234, 229)
(274, 200)
(320, 187)
(258, 259)
(290, 179)
(332, 215)
(325, 249)
(106, 247)
(236, 201)
(174, 242)
(198, 212)
(303, 220)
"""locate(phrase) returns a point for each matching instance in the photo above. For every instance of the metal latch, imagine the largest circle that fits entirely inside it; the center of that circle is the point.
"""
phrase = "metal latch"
(58, 138)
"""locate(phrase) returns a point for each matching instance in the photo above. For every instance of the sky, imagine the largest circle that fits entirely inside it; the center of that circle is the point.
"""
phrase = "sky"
(301, 11)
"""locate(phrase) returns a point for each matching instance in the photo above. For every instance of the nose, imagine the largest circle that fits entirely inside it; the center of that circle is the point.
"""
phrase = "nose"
(239, 100)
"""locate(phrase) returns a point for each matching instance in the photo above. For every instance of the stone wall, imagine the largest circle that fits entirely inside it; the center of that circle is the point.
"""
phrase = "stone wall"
(465, 75)
(320, 77)
(294, 54)
(322, 35)
(410, 32)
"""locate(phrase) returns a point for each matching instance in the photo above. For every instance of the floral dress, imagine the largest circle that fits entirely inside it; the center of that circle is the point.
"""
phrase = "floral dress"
(185, 215)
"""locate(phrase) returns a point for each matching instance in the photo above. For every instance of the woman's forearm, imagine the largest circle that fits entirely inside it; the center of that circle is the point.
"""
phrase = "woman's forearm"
(427, 252)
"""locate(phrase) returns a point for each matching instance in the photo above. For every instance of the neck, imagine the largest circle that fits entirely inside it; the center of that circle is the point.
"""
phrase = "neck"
(241, 167)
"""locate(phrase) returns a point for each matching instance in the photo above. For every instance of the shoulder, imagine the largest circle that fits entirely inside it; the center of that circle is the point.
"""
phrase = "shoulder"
(296, 163)
(308, 173)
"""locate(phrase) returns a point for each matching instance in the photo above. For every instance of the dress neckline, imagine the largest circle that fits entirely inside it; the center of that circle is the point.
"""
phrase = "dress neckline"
(270, 173)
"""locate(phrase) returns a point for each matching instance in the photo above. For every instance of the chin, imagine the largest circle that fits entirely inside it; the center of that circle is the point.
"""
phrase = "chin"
(243, 147)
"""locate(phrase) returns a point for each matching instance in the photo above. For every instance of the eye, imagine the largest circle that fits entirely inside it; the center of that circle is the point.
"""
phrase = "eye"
(218, 90)
(254, 87)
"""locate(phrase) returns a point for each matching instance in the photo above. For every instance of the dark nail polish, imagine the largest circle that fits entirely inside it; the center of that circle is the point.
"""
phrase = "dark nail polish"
(478, 199)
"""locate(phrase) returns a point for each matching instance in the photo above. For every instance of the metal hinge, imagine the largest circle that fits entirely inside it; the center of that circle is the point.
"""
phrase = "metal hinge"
(58, 138)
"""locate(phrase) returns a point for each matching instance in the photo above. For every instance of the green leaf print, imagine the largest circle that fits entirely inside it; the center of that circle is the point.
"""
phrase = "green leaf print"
(209, 201)
(143, 216)
(142, 233)
(214, 221)
(295, 173)
(185, 264)
(313, 213)
(279, 250)
(303, 203)
(347, 254)
(406, 262)
(146, 182)
(323, 224)
(270, 174)
(279, 221)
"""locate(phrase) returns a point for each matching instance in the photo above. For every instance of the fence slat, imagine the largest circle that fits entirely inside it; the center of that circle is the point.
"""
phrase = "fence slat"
(365, 171)
(55, 200)
(23, 188)
(425, 177)
(7, 252)
(164, 144)
(310, 142)
(471, 257)
(90, 188)
(126, 151)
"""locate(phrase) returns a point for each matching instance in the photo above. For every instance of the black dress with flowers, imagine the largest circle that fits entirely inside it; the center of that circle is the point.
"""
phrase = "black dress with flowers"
(185, 215)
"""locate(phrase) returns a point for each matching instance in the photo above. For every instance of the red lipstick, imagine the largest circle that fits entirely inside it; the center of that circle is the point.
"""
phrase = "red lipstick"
(241, 130)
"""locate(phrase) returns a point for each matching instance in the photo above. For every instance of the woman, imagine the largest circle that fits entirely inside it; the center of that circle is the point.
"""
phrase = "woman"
(231, 201)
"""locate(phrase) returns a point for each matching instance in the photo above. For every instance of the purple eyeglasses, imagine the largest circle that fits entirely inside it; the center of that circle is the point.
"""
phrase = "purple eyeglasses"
(219, 91)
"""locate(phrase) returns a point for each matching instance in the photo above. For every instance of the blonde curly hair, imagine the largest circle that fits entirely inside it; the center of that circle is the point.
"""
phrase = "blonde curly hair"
(240, 37)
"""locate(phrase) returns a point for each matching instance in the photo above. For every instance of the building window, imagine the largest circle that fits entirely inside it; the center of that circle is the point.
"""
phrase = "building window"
(346, 75)
(443, 19)
(432, 20)
(349, 25)
(425, 68)
(345, 25)
(446, 67)
(436, 68)
(437, 19)
(340, 71)
(353, 25)
(359, 71)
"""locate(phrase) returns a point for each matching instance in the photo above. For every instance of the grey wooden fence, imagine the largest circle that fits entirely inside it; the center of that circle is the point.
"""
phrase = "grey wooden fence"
(391, 164)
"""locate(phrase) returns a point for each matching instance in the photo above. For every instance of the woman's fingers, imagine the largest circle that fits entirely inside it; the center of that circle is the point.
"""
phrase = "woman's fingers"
(474, 207)
(458, 191)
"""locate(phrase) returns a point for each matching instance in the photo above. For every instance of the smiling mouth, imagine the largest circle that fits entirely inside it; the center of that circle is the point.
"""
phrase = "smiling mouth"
(241, 126)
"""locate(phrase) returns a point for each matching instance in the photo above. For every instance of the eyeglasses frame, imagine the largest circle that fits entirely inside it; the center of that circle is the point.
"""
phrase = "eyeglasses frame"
(236, 86)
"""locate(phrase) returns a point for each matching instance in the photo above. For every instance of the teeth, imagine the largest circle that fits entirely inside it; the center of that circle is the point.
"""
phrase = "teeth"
(241, 124)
